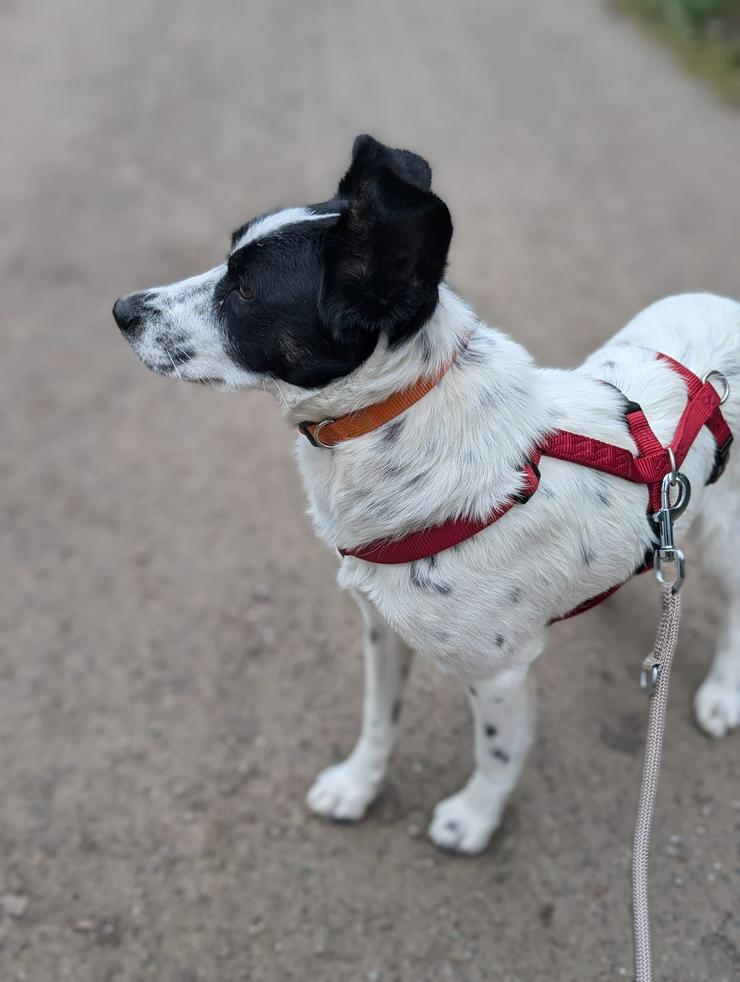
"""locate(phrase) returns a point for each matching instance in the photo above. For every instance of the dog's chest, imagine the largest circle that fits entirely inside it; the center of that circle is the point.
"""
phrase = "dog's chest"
(440, 608)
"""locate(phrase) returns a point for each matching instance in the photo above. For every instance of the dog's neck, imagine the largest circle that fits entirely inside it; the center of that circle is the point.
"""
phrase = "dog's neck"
(458, 450)
(387, 370)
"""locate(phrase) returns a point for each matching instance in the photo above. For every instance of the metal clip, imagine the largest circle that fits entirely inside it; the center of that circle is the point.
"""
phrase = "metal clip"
(650, 676)
(669, 562)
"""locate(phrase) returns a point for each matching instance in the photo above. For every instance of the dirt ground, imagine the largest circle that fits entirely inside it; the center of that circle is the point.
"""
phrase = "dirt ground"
(177, 661)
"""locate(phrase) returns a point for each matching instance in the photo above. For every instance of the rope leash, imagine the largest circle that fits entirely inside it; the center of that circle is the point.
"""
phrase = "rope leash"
(656, 675)
(658, 665)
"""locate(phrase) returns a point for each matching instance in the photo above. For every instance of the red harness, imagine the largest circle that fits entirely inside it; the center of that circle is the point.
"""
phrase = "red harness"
(652, 463)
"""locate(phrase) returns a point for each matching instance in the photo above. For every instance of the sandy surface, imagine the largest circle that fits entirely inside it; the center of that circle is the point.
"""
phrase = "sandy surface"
(177, 662)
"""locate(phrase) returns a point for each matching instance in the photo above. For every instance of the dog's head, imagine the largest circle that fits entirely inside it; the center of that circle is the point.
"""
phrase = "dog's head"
(305, 293)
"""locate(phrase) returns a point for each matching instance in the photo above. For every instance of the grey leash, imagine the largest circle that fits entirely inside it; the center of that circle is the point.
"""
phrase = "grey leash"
(656, 675)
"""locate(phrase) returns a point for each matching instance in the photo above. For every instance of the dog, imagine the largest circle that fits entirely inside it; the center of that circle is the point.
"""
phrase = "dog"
(336, 306)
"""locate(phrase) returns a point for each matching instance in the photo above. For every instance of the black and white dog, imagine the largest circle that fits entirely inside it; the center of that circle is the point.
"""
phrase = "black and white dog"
(336, 306)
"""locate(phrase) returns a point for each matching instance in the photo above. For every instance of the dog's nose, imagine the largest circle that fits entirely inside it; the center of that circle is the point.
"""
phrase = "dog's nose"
(127, 313)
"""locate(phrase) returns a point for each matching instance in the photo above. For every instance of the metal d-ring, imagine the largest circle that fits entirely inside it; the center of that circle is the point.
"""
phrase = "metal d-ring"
(317, 434)
(720, 378)
(674, 467)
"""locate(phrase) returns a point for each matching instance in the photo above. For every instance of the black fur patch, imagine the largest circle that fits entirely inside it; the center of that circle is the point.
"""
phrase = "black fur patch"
(280, 333)
(387, 252)
(324, 291)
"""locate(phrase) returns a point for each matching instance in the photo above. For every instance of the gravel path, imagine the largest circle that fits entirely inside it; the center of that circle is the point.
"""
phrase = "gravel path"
(177, 662)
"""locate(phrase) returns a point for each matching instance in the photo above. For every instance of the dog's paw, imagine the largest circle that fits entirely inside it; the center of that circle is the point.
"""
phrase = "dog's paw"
(717, 707)
(343, 792)
(459, 826)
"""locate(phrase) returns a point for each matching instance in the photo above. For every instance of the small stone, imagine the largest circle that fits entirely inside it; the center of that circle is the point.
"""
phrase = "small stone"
(15, 905)
(85, 925)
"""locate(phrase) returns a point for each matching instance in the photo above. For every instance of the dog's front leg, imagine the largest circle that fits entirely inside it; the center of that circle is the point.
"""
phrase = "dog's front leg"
(503, 715)
(345, 791)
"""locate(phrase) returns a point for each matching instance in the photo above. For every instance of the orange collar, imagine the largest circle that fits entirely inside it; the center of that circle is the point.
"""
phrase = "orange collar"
(328, 432)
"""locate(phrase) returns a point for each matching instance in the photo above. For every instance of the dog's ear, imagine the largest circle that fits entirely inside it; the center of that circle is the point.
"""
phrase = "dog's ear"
(386, 255)
(369, 155)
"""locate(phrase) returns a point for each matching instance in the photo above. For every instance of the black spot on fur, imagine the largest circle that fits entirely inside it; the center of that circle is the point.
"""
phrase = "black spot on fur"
(499, 640)
(599, 489)
(392, 430)
(374, 635)
(181, 355)
(426, 347)
(587, 556)
(470, 356)
(516, 595)
(413, 481)
(395, 470)
(490, 730)
(452, 826)
(422, 581)
(487, 400)
(501, 755)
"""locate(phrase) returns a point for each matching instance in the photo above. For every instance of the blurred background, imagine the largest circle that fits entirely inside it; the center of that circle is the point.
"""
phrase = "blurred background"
(177, 661)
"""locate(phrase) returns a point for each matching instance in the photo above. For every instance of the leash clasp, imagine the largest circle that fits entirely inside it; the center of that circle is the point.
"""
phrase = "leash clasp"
(669, 562)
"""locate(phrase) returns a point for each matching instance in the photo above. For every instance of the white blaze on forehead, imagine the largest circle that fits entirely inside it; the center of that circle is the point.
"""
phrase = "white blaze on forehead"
(273, 223)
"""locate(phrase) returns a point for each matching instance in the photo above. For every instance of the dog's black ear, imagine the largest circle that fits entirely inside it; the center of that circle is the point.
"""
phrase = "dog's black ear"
(369, 155)
(385, 257)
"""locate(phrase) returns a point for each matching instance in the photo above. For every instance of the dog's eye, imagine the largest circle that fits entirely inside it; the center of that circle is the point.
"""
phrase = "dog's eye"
(245, 293)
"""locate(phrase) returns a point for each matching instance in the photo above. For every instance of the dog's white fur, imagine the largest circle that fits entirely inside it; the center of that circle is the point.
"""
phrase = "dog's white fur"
(480, 610)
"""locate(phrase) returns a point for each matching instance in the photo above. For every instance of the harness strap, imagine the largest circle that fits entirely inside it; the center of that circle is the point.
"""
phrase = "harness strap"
(652, 462)
(437, 538)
